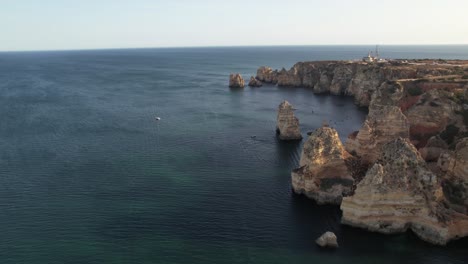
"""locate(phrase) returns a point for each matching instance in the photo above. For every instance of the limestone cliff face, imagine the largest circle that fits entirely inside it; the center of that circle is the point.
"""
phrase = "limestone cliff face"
(359, 80)
(455, 183)
(323, 174)
(433, 149)
(431, 115)
(383, 124)
(399, 193)
(287, 125)
(236, 81)
(289, 78)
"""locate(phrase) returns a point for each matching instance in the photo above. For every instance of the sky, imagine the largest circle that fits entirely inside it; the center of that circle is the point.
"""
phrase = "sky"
(98, 24)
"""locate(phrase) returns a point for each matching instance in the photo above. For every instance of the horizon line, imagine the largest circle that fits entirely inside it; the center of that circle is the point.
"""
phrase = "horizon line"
(226, 46)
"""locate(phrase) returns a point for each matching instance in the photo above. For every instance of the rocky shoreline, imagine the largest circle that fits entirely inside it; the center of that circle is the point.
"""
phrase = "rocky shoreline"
(407, 167)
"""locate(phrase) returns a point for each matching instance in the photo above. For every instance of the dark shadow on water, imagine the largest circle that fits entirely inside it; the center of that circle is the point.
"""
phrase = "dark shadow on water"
(288, 152)
(312, 220)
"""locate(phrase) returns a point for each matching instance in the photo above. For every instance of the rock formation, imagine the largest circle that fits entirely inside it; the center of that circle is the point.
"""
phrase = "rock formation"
(287, 125)
(399, 193)
(455, 183)
(432, 113)
(433, 149)
(415, 103)
(236, 81)
(383, 124)
(323, 175)
(328, 239)
(266, 74)
(254, 82)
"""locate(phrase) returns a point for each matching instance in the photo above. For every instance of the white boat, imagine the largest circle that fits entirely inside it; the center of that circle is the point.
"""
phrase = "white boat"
(158, 118)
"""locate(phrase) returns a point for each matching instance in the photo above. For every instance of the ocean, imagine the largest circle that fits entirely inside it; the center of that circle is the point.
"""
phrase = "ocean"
(87, 175)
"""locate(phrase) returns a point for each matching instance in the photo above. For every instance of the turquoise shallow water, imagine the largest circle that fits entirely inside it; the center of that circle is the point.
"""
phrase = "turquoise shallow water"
(88, 176)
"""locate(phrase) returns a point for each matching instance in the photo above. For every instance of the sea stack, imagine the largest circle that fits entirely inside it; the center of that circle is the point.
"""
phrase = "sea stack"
(398, 193)
(236, 81)
(323, 174)
(287, 125)
(254, 82)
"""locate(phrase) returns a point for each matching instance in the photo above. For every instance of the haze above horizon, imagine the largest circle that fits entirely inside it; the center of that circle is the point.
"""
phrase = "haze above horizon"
(86, 24)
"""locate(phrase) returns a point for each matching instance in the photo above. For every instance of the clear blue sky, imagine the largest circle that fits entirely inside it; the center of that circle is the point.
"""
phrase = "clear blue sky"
(88, 24)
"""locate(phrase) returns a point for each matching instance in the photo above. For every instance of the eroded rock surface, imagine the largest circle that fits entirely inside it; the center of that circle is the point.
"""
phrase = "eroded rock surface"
(236, 81)
(323, 174)
(399, 193)
(359, 80)
(383, 124)
(266, 74)
(455, 183)
(254, 82)
(433, 149)
(432, 113)
(287, 125)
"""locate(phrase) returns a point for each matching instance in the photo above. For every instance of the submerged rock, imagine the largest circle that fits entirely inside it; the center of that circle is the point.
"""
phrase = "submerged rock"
(323, 175)
(236, 81)
(287, 125)
(328, 239)
(399, 193)
(254, 82)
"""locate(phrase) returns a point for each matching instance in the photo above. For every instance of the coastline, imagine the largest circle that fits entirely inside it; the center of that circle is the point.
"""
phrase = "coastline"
(411, 103)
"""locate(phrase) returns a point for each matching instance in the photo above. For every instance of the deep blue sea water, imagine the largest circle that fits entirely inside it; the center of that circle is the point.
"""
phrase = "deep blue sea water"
(88, 176)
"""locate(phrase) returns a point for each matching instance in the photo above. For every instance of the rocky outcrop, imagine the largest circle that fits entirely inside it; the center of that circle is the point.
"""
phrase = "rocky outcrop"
(383, 124)
(328, 239)
(433, 149)
(444, 161)
(399, 193)
(236, 81)
(323, 174)
(287, 125)
(266, 74)
(254, 82)
(455, 183)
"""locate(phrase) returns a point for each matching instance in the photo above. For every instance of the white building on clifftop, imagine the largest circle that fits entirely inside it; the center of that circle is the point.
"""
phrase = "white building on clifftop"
(371, 58)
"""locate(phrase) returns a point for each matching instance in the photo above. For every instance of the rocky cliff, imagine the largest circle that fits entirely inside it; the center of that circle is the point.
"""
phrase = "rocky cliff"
(287, 125)
(399, 193)
(323, 174)
(431, 114)
(359, 80)
(419, 104)
(433, 149)
(455, 182)
(383, 124)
